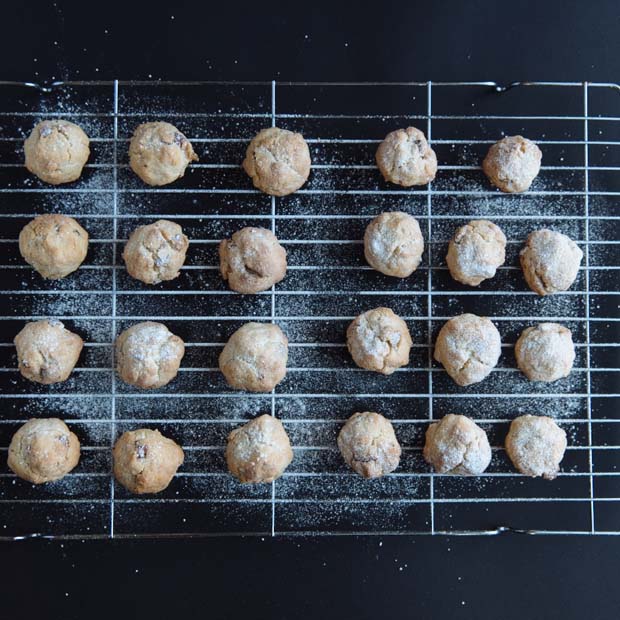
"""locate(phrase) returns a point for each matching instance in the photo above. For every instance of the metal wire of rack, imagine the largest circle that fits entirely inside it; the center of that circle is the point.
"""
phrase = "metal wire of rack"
(328, 283)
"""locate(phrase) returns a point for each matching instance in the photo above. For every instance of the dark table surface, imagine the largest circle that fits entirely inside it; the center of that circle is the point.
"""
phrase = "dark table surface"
(506, 576)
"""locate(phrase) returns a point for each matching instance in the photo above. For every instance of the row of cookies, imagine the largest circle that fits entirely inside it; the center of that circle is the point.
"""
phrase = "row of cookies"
(277, 160)
(144, 461)
(253, 260)
(254, 359)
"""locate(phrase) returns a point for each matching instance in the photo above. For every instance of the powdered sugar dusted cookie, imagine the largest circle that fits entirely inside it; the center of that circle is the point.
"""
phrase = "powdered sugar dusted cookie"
(512, 164)
(259, 451)
(252, 260)
(156, 252)
(457, 445)
(545, 352)
(468, 347)
(379, 340)
(536, 445)
(550, 261)
(254, 358)
(277, 161)
(148, 355)
(57, 151)
(393, 244)
(405, 158)
(475, 252)
(368, 444)
(43, 450)
(159, 153)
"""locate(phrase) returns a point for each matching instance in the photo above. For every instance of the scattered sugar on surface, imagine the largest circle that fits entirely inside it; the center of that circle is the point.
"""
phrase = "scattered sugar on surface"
(333, 481)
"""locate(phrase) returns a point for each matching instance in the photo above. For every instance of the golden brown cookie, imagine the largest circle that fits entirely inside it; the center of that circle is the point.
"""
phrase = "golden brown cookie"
(252, 260)
(368, 444)
(277, 161)
(56, 151)
(46, 351)
(55, 245)
(512, 164)
(379, 340)
(145, 461)
(258, 451)
(159, 153)
(148, 355)
(405, 158)
(43, 450)
(254, 358)
(156, 252)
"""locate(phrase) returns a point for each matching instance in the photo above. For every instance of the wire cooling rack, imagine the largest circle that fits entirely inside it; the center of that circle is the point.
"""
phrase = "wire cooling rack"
(578, 191)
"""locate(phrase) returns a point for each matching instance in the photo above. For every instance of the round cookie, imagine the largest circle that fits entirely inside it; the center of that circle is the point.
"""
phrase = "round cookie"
(46, 351)
(148, 355)
(159, 153)
(254, 358)
(277, 161)
(468, 347)
(379, 340)
(476, 251)
(258, 451)
(393, 244)
(405, 158)
(536, 445)
(512, 164)
(43, 450)
(156, 252)
(545, 352)
(145, 461)
(55, 245)
(252, 260)
(457, 445)
(550, 261)
(368, 445)
(56, 151)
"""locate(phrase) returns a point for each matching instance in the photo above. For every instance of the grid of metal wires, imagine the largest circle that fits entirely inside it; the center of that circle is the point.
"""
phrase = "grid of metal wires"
(577, 126)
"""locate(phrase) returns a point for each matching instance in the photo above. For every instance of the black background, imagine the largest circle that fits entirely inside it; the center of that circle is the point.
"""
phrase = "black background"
(507, 576)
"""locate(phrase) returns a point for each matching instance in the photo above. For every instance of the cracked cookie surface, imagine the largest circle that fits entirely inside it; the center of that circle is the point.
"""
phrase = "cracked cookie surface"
(156, 252)
(550, 261)
(393, 244)
(512, 164)
(536, 445)
(379, 340)
(159, 153)
(47, 352)
(277, 161)
(252, 260)
(148, 355)
(405, 158)
(56, 151)
(254, 358)
(475, 252)
(368, 444)
(545, 352)
(43, 450)
(468, 347)
(258, 451)
(54, 245)
(457, 445)
(145, 461)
